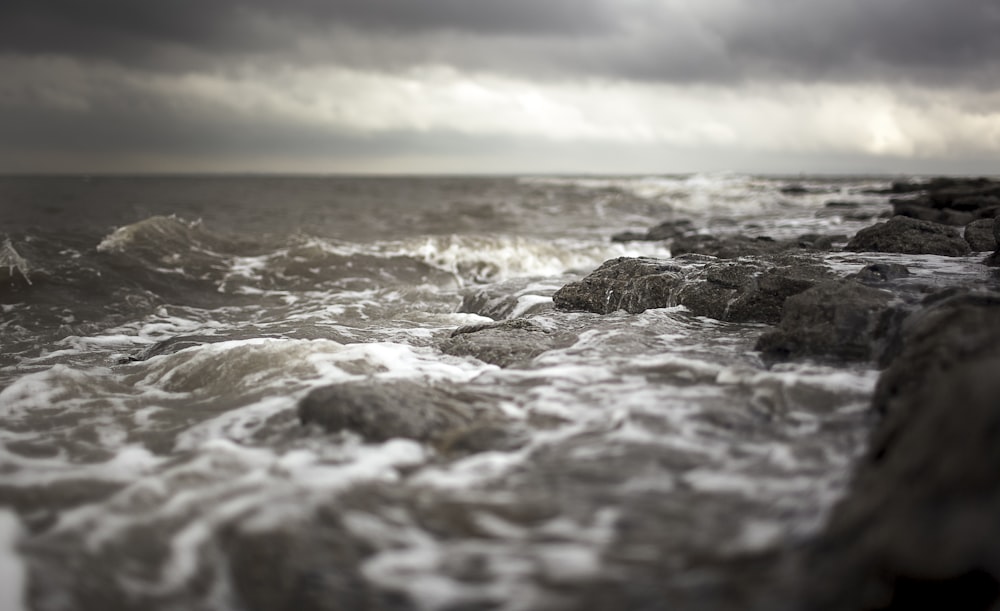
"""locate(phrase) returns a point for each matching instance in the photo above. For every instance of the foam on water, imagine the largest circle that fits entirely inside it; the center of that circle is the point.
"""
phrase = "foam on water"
(13, 576)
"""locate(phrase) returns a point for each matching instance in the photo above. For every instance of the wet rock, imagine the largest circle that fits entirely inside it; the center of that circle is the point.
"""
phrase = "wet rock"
(918, 527)
(994, 259)
(951, 201)
(979, 235)
(909, 236)
(505, 300)
(839, 319)
(382, 410)
(819, 241)
(309, 567)
(922, 210)
(748, 291)
(751, 290)
(171, 345)
(878, 273)
(631, 284)
(508, 343)
(731, 247)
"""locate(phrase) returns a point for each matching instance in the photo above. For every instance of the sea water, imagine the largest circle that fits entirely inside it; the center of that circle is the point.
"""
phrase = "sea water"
(660, 452)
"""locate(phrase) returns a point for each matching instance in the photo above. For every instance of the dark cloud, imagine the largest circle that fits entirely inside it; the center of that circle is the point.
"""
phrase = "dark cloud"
(711, 41)
(127, 31)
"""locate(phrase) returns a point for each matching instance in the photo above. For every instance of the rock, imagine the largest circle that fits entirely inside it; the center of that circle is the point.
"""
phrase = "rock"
(994, 259)
(951, 201)
(921, 209)
(505, 344)
(840, 319)
(631, 284)
(909, 236)
(504, 300)
(979, 235)
(748, 291)
(918, 527)
(751, 290)
(819, 241)
(730, 247)
(879, 273)
(382, 410)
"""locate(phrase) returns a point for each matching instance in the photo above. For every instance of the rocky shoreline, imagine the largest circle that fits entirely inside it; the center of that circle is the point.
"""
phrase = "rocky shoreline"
(918, 523)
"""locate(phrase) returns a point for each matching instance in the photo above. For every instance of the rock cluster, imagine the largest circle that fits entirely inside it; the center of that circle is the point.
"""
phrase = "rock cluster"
(745, 290)
(919, 528)
(950, 201)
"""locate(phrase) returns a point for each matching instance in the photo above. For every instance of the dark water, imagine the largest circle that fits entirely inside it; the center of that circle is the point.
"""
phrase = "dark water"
(659, 460)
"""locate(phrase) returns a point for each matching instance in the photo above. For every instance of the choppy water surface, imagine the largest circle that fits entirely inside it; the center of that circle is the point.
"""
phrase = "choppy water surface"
(657, 456)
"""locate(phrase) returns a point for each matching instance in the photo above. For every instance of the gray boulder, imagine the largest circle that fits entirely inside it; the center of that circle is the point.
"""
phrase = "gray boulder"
(979, 235)
(507, 343)
(909, 236)
(839, 319)
(631, 284)
(382, 410)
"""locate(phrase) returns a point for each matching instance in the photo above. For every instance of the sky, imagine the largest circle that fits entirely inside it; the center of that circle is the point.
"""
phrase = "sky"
(500, 86)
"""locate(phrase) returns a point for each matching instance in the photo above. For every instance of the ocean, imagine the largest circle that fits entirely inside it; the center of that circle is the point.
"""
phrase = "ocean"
(159, 334)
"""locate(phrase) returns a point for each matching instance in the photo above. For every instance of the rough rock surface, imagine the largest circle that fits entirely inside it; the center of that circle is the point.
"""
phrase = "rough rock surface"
(751, 290)
(505, 344)
(909, 236)
(625, 283)
(382, 410)
(979, 235)
(838, 319)
(919, 527)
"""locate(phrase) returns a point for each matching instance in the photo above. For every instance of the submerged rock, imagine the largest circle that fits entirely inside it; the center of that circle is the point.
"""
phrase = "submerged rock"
(748, 290)
(919, 528)
(505, 300)
(505, 344)
(979, 235)
(383, 410)
(879, 273)
(905, 235)
(839, 318)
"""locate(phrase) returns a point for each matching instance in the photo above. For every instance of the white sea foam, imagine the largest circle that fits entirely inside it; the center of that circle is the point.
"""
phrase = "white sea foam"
(13, 575)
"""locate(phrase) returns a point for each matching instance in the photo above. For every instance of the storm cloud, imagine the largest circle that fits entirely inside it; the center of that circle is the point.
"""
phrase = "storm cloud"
(312, 78)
